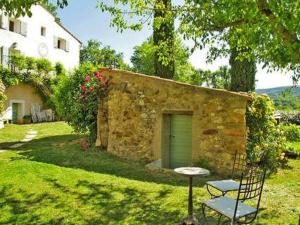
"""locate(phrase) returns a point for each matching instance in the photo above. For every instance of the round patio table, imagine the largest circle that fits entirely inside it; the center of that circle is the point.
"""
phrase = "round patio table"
(191, 172)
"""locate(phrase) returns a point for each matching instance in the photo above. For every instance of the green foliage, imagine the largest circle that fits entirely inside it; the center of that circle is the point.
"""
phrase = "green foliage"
(143, 61)
(43, 66)
(140, 13)
(77, 99)
(294, 148)
(265, 140)
(287, 100)
(164, 39)
(291, 132)
(216, 79)
(2, 101)
(35, 72)
(59, 69)
(99, 55)
(269, 29)
(242, 72)
(21, 8)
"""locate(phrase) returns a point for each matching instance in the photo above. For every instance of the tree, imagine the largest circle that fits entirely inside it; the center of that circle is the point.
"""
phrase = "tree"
(21, 8)
(163, 39)
(143, 60)
(97, 54)
(268, 29)
(217, 79)
(163, 27)
(242, 72)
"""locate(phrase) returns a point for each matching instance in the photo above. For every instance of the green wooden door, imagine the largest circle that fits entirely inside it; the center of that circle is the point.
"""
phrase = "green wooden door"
(15, 113)
(180, 141)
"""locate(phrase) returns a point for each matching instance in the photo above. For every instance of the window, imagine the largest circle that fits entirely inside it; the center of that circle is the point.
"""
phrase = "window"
(18, 26)
(43, 31)
(11, 26)
(61, 43)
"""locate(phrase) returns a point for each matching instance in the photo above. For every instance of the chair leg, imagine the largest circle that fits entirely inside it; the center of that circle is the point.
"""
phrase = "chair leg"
(219, 220)
(204, 215)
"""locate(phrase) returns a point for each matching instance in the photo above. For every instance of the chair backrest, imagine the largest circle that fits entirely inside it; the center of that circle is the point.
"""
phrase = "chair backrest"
(239, 164)
(251, 186)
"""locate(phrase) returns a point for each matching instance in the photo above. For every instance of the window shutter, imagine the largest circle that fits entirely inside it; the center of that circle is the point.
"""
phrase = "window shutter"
(67, 46)
(4, 22)
(55, 40)
(24, 28)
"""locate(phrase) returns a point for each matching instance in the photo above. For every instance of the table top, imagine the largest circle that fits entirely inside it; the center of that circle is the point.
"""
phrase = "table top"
(192, 171)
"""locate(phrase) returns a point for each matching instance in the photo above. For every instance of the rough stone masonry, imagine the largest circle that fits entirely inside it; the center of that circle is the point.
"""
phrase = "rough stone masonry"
(130, 119)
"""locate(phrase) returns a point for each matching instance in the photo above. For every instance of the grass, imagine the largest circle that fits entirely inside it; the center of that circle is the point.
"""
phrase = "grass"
(295, 146)
(12, 134)
(51, 180)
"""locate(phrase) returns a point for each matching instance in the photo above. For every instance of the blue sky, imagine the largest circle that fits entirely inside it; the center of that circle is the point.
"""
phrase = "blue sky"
(86, 22)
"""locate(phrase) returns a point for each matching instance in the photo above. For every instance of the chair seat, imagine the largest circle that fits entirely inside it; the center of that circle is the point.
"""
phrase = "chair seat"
(224, 185)
(226, 206)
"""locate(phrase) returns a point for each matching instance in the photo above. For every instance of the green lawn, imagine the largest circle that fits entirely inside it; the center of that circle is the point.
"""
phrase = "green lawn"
(12, 134)
(51, 180)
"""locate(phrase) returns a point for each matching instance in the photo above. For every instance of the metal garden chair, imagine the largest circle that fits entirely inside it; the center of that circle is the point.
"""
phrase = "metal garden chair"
(224, 186)
(236, 210)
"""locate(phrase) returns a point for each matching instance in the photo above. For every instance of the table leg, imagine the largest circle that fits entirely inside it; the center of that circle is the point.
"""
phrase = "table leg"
(190, 207)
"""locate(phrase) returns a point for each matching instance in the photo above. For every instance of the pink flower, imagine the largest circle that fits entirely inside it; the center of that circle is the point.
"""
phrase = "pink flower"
(87, 78)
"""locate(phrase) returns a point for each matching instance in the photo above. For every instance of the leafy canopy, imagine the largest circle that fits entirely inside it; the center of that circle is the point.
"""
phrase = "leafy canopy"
(97, 54)
(21, 8)
(143, 61)
(268, 28)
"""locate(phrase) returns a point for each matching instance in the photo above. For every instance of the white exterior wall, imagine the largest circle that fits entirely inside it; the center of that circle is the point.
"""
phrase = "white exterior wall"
(30, 44)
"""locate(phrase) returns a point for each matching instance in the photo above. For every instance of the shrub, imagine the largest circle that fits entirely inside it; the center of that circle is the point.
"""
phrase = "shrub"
(2, 101)
(291, 132)
(77, 99)
(290, 117)
(265, 140)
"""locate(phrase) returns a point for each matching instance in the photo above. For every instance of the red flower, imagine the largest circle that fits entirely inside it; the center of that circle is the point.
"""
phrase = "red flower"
(98, 75)
(83, 88)
(87, 78)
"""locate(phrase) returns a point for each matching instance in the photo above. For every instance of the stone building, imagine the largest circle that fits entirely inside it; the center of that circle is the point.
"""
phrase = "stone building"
(146, 118)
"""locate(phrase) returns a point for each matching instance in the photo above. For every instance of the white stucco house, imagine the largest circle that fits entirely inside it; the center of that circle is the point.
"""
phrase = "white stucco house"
(38, 36)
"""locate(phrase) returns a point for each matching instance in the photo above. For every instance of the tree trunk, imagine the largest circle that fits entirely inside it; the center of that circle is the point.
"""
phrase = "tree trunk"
(242, 73)
(163, 38)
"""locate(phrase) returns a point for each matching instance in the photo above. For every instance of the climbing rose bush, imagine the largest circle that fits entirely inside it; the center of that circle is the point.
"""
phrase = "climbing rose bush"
(79, 97)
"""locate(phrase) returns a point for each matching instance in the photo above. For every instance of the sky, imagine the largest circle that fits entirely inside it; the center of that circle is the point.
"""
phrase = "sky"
(87, 22)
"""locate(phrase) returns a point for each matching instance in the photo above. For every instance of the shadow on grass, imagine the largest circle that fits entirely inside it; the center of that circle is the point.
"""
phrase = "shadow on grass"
(66, 151)
(6, 145)
(95, 204)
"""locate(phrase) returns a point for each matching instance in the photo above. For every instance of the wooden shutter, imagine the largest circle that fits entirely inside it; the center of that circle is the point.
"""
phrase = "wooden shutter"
(24, 28)
(55, 40)
(4, 22)
(67, 46)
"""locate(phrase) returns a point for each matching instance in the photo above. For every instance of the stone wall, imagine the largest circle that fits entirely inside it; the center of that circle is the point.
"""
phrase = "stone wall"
(130, 119)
